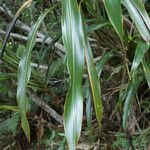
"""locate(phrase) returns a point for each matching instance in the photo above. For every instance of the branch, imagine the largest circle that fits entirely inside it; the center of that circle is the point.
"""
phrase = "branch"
(38, 40)
(46, 107)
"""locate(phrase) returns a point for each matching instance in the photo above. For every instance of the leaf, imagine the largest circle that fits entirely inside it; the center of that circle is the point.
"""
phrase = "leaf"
(146, 68)
(113, 8)
(99, 68)
(72, 34)
(141, 8)
(139, 22)
(134, 84)
(130, 92)
(94, 82)
(89, 107)
(139, 54)
(103, 61)
(7, 76)
(24, 72)
(8, 107)
(10, 27)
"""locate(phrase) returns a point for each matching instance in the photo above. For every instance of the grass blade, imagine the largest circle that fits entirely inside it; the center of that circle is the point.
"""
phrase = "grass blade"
(113, 8)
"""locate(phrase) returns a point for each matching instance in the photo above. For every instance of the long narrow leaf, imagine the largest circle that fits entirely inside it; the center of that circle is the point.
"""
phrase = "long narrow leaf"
(94, 82)
(10, 27)
(146, 67)
(141, 8)
(130, 95)
(139, 54)
(8, 107)
(24, 72)
(113, 8)
(72, 34)
(99, 68)
(139, 22)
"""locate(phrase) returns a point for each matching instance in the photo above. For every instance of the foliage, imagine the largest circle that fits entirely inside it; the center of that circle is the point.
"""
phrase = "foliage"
(86, 62)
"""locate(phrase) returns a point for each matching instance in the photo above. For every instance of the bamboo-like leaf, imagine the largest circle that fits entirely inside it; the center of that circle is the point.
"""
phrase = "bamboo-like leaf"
(141, 8)
(146, 68)
(138, 20)
(139, 54)
(76, 43)
(113, 8)
(72, 34)
(99, 68)
(24, 72)
(94, 82)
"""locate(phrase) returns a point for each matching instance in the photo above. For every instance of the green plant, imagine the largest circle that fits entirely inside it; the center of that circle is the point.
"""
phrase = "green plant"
(103, 64)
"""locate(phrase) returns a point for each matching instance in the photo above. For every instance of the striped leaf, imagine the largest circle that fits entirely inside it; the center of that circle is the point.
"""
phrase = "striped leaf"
(141, 8)
(113, 8)
(72, 34)
(137, 18)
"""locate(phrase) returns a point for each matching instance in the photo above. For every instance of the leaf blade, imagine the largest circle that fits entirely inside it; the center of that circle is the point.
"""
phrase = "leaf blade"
(72, 33)
(114, 12)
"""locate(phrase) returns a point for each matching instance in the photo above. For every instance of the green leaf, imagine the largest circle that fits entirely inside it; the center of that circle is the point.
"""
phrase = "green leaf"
(9, 107)
(72, 34)
(24, 72)
(94, 82)
(130, 95)
(139, 22)
(141, 8)
(7, 76)
(146, 68)
(94, 27)
(99, 68)
(139, 54)
(102, 62)
(113, 8)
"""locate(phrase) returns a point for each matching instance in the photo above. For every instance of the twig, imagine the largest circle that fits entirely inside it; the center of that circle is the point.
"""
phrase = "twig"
(46, 107)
